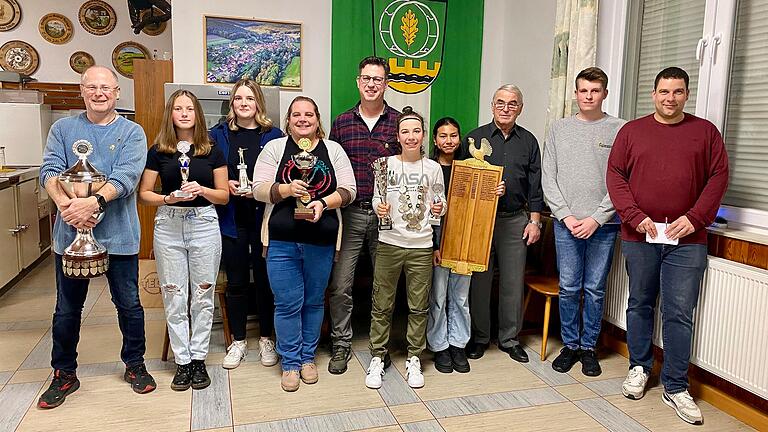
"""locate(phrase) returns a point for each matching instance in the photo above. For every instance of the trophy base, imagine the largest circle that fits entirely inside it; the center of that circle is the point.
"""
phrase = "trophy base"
(181, 194)
(80, 267)
(434, 221)
(303, 214)
(243, 191)
(385, 225)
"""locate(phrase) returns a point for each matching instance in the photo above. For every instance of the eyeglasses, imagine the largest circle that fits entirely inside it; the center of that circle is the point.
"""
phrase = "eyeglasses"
(104, 89)
(500, 105)
(365, 79)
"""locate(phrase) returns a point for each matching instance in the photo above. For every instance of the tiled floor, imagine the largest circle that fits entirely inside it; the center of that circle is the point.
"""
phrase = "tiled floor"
(499, 394)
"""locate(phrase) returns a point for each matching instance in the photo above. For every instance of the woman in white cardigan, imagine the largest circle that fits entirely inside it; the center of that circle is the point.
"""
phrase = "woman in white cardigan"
(304, 179)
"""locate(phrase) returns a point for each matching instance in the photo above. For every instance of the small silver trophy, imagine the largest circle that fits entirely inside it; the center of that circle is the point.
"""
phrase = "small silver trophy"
(438, 190)
(85, 257)
(245, 185)
(305, 162)
(380, 177)
(183, 147)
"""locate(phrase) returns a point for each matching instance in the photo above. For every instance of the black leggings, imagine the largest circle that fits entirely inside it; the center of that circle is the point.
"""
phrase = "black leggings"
(240, 255)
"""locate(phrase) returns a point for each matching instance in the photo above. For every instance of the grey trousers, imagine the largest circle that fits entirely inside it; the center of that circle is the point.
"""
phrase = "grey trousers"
(359, 226)
(510, 249)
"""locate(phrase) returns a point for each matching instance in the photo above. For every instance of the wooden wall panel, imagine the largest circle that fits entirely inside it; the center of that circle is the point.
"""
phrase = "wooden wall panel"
(60, 96)
(149, 76)
(737, 250)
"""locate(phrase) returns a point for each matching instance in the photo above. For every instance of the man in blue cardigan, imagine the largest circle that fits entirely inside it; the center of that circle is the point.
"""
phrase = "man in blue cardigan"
(119, 151)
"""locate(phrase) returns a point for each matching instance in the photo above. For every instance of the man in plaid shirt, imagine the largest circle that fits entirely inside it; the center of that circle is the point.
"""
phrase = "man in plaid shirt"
(367, 132)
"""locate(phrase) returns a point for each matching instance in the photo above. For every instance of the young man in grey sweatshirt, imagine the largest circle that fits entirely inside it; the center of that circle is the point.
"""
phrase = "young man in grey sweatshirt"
(573, 178)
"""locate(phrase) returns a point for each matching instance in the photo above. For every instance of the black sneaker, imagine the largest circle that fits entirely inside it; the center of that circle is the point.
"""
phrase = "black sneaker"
(183, 378)
(141, 381)
(62, 385)
(339, 359)
(589, 364)
(443, 361)
(459, 359)
(565, 361)
(200, 378)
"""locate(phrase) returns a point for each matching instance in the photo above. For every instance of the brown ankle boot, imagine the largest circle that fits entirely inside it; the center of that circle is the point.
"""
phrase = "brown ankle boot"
(309, 373)
(290, 380)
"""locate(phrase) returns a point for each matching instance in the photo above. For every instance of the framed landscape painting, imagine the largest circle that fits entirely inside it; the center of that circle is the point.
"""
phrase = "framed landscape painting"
(268, 52)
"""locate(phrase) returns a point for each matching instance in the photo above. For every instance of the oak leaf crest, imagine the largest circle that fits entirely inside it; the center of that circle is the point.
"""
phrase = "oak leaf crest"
(409, 27)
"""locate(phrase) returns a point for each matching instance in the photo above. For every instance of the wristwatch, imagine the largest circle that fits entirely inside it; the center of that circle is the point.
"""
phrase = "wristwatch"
(102, 202)
(537, 223)
(322, 201)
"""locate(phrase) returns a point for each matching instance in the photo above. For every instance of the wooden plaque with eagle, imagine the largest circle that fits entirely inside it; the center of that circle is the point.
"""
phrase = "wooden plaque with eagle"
(468, 226)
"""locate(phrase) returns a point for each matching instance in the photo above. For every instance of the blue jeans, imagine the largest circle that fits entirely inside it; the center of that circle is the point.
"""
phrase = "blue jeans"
(583, 265)
(298, 274)
(449, 321)
(188, 251)
(676, 272)
(123, 277)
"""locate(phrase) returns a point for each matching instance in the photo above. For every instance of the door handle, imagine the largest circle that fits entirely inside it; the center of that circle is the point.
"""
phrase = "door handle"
(18, 228)
(700, 45)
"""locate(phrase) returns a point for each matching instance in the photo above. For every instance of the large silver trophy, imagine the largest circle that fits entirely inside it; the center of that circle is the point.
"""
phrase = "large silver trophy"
(380, 178)
(85, 257)
(183, 147)
(305, 162)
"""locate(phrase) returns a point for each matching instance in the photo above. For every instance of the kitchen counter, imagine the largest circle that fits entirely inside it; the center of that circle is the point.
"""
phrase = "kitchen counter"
(11, 175)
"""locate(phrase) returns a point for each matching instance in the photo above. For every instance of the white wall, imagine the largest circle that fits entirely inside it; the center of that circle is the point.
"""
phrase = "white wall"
(517, 48)
(518, 39)
(315, 15)
(54, 59)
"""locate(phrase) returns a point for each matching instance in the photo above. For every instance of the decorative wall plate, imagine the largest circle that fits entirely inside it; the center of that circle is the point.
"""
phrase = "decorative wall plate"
(55, 28)
(10, 14)
(124, 54)
(79, 61)
(97, 17)
(18, 56)
(152, 29)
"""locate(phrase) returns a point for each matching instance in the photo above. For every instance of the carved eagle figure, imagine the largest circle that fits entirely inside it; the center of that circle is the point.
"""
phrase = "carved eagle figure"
(484, 150)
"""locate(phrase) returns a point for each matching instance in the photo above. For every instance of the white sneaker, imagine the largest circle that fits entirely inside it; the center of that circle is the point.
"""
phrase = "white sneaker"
(374, 374)
(413, 371)
(634, 386)
(684, 406)
(267, 351)
(235, 354)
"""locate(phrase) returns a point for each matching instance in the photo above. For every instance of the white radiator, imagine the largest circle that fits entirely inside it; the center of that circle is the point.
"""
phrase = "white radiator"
(731, 327)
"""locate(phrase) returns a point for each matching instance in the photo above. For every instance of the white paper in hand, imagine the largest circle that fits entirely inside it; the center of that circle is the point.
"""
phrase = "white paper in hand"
(661, 238)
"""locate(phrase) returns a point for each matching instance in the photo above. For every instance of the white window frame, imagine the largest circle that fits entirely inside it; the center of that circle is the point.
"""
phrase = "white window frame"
(616, 40)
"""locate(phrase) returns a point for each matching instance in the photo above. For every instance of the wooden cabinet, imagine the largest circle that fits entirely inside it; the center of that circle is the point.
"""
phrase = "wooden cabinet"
(9, 264)
(21, 223)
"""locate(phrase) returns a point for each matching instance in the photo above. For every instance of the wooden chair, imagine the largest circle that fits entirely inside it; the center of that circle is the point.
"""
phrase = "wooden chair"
(541, 276)
(221, 285)
(549, 286)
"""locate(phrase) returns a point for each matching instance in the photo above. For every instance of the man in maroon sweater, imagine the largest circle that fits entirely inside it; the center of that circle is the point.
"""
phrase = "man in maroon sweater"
(667, 170)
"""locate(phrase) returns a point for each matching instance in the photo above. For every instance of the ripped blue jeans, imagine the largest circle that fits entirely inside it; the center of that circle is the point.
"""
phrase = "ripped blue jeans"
(187, 251)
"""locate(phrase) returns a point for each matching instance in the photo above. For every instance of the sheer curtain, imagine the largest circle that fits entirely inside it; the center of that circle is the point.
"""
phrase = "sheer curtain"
(574, 50)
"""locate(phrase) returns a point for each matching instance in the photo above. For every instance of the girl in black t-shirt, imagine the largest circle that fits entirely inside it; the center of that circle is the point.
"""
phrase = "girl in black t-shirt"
(187, 242)
(246, 129)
